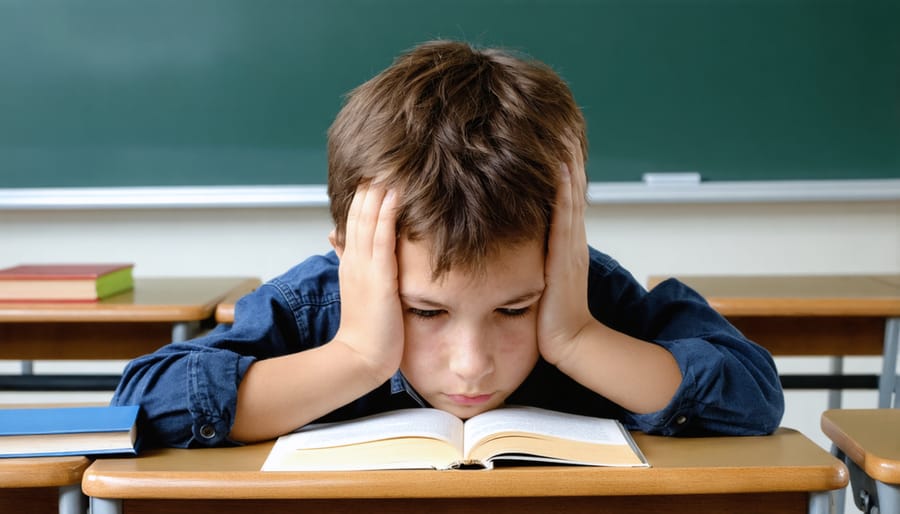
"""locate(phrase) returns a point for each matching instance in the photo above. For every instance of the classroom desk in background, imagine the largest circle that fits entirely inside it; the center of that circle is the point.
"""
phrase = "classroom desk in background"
(809, 315)
(868, 440)
(782, 473)
(124, 326)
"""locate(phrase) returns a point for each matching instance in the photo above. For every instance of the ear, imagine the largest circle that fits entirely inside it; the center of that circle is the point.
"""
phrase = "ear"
(332, 238)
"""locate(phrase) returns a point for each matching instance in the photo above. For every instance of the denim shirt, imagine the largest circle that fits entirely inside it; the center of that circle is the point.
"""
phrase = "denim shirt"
(188, 390)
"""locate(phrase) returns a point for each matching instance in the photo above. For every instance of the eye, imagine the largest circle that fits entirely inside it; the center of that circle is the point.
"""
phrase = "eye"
(514, 313)
(423, 313)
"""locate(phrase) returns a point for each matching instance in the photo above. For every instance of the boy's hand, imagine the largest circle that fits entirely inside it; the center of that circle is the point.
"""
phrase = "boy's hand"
(563, 309)
(371, 315)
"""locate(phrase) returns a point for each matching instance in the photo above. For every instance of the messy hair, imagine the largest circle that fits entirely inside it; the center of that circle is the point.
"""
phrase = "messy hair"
(471, 139)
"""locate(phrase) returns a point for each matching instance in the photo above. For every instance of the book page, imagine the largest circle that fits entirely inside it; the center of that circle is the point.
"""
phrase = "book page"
(533, 434)
(533, 420)
(406, 438)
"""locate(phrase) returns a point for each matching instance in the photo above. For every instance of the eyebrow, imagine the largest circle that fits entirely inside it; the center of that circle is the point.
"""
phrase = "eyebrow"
(421, 300)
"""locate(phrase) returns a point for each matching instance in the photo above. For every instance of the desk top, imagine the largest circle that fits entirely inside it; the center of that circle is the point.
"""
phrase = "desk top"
(786, 461)
(42, 471)
(869, 437)
(152, 299)
(799, 295)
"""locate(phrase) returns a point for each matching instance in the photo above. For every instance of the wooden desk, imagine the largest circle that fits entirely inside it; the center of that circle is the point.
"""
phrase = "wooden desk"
(868, 440)
(42, 484)
(781, 473)
(814, 315)
(157, 311)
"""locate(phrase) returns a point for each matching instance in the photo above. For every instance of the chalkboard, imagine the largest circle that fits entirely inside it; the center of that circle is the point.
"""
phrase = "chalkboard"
(238, 92)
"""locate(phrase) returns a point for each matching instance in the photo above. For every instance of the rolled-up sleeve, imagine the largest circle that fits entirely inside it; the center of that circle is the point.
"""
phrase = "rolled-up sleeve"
(729, 386)
(188, 390)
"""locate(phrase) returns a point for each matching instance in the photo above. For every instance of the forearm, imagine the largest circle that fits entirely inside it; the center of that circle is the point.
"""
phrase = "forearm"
(639, 376)
(281, 394)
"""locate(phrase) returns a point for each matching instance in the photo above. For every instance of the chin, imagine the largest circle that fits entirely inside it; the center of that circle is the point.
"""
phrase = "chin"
(465, 412)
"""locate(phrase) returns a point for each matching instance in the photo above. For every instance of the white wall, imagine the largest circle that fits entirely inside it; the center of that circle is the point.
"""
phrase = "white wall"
(735, 238)
(852, 237)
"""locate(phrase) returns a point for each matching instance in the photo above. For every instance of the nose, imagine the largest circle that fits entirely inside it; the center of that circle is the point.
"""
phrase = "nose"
(471, 358)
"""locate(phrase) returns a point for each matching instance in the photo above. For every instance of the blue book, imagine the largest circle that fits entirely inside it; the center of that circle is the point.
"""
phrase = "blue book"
(53, 431)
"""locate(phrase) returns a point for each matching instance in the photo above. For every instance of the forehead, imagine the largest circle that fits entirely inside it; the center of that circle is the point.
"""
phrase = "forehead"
(509, 271)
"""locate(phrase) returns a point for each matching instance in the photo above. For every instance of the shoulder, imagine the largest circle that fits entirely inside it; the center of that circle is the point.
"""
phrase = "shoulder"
(608, 278)
(601, 263)
(313, 281)
(305, 299)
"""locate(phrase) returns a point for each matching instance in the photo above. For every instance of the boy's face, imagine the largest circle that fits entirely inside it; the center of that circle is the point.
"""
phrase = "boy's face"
(470, 339)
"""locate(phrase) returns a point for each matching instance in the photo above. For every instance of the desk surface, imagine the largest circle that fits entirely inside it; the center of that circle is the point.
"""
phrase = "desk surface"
(800, 295)
(42, 471)
(152, 299)
(870, 437)
(784, 462)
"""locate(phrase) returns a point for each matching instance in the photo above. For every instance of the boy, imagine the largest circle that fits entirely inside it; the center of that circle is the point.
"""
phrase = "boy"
(461, 279)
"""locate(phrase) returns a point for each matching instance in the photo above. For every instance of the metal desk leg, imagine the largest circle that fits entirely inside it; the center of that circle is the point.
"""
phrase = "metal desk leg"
(106, 506)
(834, 395)
(820, 502)
(71, 500)
(184, 330)
(887, 383)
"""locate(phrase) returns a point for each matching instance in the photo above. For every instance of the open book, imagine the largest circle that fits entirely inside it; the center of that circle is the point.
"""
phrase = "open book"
(431, 438)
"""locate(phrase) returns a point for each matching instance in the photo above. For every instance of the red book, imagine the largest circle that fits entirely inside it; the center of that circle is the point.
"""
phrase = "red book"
(64, 282)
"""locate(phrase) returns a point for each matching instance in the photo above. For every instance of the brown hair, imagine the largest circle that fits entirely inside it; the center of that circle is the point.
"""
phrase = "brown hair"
(471, 139)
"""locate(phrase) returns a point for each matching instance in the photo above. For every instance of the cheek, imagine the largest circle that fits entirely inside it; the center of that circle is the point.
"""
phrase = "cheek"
(516, 339)
(421, 342)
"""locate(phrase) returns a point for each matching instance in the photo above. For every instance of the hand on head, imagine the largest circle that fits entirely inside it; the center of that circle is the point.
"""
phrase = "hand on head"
(371, 315)
(563, 308)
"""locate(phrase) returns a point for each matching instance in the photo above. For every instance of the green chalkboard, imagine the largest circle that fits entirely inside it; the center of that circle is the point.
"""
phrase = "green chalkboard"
(232, 92)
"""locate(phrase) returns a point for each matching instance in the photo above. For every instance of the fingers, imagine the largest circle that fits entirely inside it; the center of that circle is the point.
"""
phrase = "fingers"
(561, 224)
(371, 221)
(385, 236)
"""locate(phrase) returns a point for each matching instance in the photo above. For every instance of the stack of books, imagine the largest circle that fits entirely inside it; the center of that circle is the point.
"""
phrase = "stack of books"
(64, 282)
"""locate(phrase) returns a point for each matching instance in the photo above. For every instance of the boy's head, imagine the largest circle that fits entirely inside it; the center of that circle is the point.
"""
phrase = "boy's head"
(472, 141)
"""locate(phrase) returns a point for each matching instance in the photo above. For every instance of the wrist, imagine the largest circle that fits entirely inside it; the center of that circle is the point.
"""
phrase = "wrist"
(372, 369)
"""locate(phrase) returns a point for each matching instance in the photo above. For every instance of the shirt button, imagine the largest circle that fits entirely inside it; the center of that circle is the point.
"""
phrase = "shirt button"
(207, 432)
(681, 420)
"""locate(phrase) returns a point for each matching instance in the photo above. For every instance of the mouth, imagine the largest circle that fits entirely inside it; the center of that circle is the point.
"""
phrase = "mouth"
(468, 400)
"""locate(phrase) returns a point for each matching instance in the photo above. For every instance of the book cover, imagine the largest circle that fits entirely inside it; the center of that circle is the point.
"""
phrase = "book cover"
(55, 431)
(431, 438)
(65, 282)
